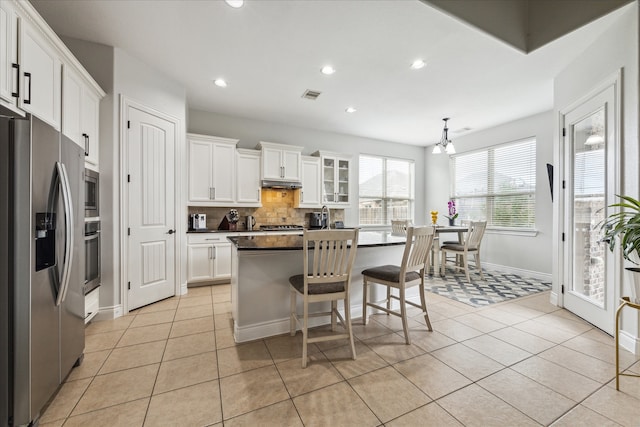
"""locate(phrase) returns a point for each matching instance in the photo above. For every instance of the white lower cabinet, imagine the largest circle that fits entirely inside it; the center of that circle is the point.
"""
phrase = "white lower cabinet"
(208, 257)
(91, 304)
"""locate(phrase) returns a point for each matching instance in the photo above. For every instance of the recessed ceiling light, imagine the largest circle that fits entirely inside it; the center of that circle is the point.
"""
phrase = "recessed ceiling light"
(235, 3)
(220, 82)
(417, 64)
(350, 110)
(328, 70)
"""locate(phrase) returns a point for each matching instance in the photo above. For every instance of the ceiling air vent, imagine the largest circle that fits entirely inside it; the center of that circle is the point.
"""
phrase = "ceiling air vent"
(311, 94)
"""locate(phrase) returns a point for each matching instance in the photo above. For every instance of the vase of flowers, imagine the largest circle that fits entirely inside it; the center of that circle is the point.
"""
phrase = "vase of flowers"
(453, 214)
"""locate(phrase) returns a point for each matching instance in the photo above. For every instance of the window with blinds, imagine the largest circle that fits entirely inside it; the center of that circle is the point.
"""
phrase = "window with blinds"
(386, 190)
(497, 184)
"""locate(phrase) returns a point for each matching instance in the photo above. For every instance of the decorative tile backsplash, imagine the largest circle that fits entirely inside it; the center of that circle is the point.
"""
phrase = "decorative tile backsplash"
(277, 208)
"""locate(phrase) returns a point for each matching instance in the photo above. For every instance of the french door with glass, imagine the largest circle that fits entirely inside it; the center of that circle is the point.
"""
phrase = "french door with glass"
(590, 150)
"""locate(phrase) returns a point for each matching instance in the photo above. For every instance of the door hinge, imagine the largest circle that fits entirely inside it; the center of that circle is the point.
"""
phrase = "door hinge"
(562, 289)
(563, 237)
(564, 131)
(128, 178)
(129, 232)
(564, 184)
(128, 124)
(129, 285)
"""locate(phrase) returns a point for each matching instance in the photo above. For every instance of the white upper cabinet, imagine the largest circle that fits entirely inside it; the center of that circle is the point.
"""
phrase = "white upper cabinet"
(248, 189)
(80, 113)
(32, 58)
(310, 195)
(90, 119)
(335, 178)
(211, 169)
(9, 69)
(72, 106)
(281, 162)
(40, 69)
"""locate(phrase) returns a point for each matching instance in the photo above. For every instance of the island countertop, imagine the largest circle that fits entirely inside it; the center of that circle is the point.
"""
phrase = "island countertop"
(294, 241)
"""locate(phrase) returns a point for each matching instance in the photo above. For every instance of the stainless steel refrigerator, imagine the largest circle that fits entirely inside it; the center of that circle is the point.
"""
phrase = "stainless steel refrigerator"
(41, 265)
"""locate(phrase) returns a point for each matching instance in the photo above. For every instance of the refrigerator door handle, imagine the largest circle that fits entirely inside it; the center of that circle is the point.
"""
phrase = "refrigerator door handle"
(68, 225)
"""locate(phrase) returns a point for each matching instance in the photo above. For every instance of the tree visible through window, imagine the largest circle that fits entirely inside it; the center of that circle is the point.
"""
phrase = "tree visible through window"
(497, 184)
(386, 188)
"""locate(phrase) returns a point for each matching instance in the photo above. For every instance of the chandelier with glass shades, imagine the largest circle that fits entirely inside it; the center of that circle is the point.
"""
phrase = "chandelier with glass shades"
(444, 143)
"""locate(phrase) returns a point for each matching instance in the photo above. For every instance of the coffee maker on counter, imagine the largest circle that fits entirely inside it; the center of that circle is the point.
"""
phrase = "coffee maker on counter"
(197, 222)
(317, 220)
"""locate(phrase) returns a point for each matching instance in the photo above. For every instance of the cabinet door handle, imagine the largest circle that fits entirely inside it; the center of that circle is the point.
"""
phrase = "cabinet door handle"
(281, 171)
(258, 191)
(301, 196)
(214, 252)
(86, 144)
(210, 252)
(28, 101)
(213, 238)
(16, 67)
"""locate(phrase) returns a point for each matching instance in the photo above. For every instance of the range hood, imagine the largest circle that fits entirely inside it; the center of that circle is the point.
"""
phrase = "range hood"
(288, 185)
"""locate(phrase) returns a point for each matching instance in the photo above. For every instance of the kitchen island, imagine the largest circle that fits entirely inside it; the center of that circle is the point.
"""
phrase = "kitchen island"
(260, 271)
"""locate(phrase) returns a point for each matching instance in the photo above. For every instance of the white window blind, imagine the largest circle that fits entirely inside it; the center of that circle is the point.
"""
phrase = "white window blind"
(497, 184)
(386, 189)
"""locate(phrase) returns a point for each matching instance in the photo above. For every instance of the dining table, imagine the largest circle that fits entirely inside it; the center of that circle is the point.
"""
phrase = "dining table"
(435, 251)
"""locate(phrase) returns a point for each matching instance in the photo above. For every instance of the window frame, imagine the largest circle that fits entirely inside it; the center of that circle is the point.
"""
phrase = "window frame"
(529, 230)
(384, 198)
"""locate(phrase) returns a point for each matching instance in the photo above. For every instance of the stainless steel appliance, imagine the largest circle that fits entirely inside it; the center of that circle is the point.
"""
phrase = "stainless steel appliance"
(91, 256)
(42, 303)
(198, 222)
(318, 220)
(251, 222)
(281, 227)
(91, 193)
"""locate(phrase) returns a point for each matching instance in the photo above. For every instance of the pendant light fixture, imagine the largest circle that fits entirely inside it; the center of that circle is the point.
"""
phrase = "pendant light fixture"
(444, 144)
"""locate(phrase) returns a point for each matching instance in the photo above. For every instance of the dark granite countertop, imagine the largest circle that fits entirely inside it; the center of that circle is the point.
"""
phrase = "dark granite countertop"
(294, 241)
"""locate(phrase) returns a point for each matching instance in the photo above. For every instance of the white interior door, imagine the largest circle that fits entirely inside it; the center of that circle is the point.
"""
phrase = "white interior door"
(151, 239)
(591, 167)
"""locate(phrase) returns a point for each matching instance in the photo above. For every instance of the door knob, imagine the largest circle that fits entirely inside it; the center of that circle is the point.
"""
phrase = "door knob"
(171, 231)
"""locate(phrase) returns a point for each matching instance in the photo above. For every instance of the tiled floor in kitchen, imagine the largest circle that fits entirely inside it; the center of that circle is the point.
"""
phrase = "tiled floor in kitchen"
(513, 364)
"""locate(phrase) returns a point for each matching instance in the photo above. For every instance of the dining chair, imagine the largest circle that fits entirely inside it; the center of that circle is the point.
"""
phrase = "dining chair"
(399, 226)
(460, 240)
(328, 257)
(411, 272)
(471, 245)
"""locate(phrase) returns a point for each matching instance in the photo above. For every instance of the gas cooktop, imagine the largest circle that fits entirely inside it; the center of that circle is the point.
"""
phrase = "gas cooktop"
(281, 227)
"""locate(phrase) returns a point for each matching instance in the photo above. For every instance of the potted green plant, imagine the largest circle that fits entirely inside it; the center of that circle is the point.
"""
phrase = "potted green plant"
(624, 226)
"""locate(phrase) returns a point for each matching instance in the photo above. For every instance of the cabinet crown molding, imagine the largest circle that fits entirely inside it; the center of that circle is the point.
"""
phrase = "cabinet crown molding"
(209, 138)
(277, 146)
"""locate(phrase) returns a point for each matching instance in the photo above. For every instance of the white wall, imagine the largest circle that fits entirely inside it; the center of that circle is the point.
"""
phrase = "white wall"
(524, 254)
(120, 74)
(250, 132)
(616, 49)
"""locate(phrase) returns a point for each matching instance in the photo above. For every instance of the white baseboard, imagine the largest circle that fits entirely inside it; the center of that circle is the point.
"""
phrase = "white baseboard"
(519, 271)
(183, 288)
(554, 299)
(109, 313)
(629, 342)
(281, 326)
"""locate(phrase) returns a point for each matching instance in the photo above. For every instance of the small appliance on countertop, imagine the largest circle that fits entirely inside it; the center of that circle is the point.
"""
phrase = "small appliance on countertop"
(198, 222)
(317, 220)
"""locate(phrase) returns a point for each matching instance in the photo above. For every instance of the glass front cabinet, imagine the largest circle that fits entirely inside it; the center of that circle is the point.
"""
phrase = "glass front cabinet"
(335, 178)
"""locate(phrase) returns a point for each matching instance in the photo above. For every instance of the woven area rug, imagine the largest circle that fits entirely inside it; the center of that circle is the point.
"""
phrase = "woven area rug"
(496, 287)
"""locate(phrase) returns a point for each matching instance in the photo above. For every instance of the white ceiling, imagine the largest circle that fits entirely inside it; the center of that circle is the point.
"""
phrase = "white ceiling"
(270, 52)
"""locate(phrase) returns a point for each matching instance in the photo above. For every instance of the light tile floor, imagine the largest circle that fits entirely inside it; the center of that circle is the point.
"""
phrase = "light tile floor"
(521, 363)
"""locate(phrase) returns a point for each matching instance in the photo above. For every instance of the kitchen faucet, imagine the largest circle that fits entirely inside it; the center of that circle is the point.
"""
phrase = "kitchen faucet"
(322, 211)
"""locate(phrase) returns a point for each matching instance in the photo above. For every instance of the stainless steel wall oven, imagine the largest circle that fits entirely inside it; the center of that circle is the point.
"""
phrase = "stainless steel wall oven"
(91, 193)
(92, 255)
